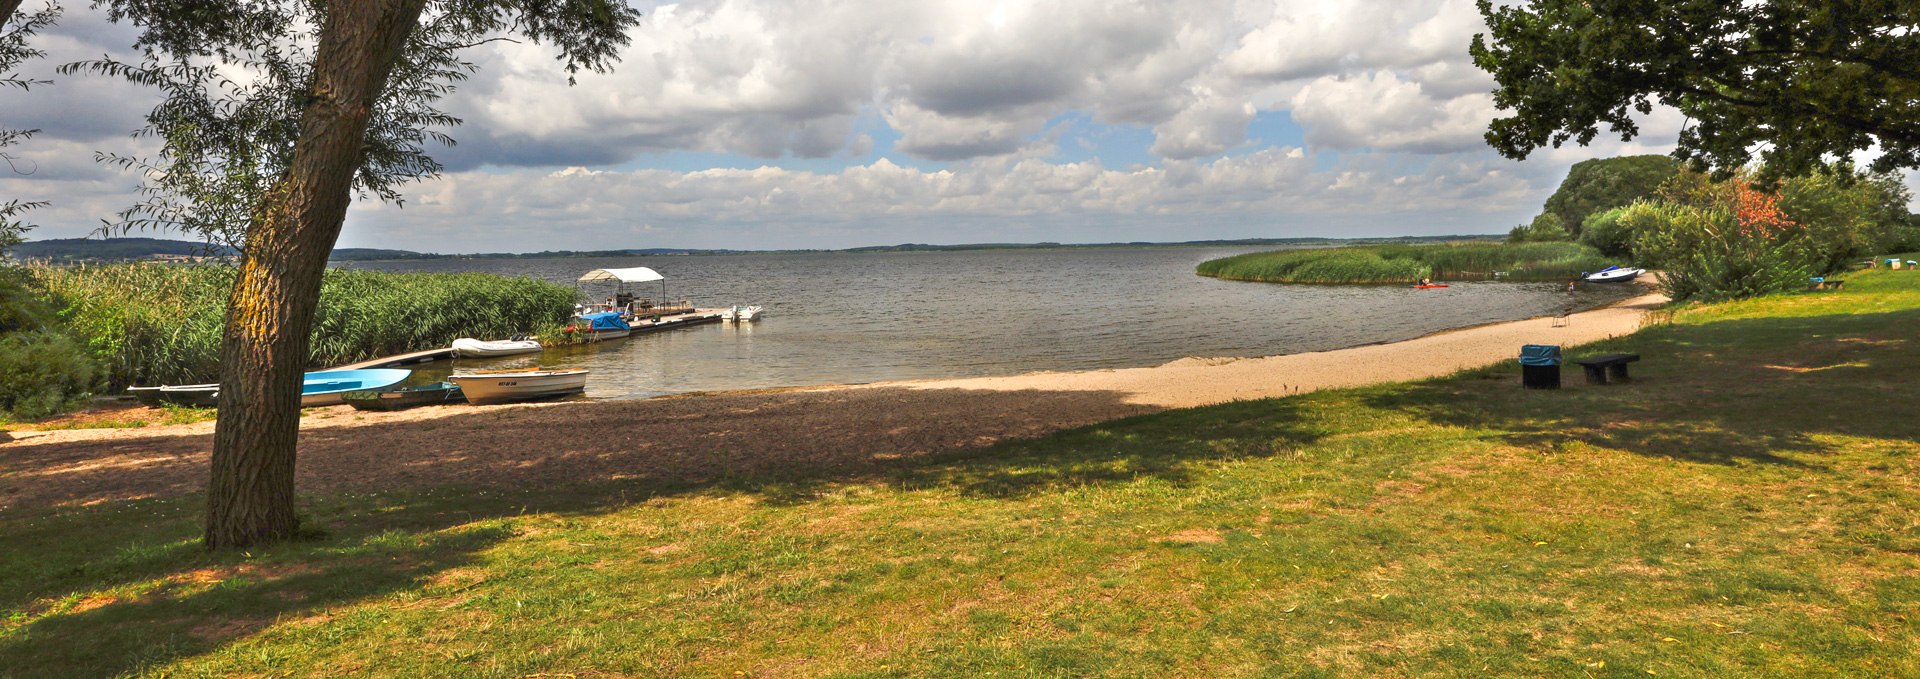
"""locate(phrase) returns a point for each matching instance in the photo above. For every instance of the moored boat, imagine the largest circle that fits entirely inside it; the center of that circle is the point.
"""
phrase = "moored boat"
(742, 313)
(602, 325)
(325, 387)
(202, 395)
(468, 347)
(502, 386)
(405, 397)
(1612, 274)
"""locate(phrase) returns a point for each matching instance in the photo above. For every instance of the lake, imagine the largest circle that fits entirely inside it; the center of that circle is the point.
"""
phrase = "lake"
(866, 317)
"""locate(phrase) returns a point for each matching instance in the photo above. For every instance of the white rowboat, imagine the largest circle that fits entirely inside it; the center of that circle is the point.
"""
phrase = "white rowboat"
(502, 386)
(468, 347)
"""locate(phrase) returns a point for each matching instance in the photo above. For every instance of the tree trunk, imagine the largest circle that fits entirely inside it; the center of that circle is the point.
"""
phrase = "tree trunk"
(7, 8)
(264, 349)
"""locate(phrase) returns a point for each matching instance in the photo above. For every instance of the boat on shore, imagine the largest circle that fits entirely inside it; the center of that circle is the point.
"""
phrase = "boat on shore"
(197, 395)
(1612, 274)
(325, 388)
(438, 393)
(503, 386)
(468, 347)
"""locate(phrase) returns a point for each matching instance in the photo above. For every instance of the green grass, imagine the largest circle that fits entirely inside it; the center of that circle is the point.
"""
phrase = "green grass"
(1750, 506)
(160, 324)
(1382, 264)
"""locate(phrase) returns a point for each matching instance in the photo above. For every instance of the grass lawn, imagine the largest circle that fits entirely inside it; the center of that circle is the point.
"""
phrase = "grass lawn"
(1750, 506)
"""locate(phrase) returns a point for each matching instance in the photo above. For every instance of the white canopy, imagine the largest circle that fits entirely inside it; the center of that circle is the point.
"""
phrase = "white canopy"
(638, 274)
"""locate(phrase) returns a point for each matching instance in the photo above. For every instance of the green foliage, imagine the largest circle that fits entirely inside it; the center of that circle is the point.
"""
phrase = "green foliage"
(1847, 217)
(1604, 231)
(15, 29)
(1806, 82)
(1381, 264)
(1724, 240)
(156, 323)
(1596, 185)
(43, 372)
(1546, 228)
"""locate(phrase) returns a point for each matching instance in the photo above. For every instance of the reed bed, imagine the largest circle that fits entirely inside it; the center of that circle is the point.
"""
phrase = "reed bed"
(160, 323)
(1399, 264)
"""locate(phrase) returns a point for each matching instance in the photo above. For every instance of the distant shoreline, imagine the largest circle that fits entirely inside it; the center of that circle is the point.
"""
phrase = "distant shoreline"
(65, 250)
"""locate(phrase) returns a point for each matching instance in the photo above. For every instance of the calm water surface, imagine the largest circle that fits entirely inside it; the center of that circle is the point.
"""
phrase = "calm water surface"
(850, 318)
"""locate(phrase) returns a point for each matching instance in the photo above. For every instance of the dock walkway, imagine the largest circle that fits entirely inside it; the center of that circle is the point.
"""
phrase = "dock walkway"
(696, 317)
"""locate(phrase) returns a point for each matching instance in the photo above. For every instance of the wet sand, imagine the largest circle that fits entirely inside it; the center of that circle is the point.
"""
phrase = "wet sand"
(823, 432)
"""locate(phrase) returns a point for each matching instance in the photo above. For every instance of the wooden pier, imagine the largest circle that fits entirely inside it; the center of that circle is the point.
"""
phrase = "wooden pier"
(427, 356)
(695, 317)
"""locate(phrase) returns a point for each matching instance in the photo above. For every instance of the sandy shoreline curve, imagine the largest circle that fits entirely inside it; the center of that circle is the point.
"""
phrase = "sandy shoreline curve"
(828, 433)
(1198, 381)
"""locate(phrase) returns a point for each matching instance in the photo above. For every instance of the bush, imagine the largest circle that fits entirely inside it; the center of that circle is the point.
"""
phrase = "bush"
(1598, 185)
(1605, 231)
(43, 372)
(1723, 241)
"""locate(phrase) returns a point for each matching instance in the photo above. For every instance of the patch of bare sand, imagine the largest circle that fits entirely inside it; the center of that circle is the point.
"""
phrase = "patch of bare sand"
(817, 432)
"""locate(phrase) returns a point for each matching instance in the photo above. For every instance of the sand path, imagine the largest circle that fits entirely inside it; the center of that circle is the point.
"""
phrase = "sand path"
(660, 445)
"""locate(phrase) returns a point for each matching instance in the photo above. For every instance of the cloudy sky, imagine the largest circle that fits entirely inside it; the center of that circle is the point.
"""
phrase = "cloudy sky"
(832, 123)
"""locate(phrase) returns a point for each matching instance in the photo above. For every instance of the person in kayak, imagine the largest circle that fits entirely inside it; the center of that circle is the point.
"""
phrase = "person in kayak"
(1426, 281)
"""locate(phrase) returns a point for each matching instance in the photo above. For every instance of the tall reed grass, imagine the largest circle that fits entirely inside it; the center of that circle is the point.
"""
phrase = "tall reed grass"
(159, 323)
(1385, 264)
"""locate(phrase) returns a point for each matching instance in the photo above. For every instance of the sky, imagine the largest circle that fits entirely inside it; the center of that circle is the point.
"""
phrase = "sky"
(832, 123)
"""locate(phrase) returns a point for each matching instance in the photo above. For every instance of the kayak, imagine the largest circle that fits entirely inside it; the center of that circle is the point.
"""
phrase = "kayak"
(1430, 286)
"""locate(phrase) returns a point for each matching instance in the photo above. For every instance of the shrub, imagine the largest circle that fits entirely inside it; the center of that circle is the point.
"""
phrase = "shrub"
(43, 372)
(1723, 241)
(1605, 231)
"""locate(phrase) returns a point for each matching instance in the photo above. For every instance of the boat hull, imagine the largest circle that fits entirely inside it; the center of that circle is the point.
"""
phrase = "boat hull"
(409, 397)
(488, 388)
(199, 395)
(467, 347)
(325, 388)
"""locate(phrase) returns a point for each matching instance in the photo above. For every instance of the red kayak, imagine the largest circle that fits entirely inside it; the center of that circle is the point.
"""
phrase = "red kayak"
(1429, 287)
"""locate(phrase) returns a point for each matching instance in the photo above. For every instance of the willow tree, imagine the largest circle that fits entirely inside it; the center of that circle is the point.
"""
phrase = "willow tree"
(1801, 84)
(16, 28)
(275, 116)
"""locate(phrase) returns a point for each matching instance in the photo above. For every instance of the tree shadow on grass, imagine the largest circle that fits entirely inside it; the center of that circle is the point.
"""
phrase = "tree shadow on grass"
(1762, 391)
(400, 496)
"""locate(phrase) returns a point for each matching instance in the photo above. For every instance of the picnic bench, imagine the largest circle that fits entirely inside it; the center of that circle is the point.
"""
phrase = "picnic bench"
(1602, 369)
(1825, 284)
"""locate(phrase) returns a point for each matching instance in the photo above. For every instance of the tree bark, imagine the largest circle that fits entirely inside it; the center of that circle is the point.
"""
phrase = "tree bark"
(7, 8)
(265, 346)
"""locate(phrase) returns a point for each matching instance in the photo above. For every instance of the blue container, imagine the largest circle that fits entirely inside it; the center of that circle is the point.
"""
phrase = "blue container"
(1540, 354)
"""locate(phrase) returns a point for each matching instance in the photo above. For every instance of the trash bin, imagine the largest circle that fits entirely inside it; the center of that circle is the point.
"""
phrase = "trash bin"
(1540, 366)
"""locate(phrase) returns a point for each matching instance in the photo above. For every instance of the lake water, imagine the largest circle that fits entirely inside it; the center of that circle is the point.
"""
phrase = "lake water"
(850, 318)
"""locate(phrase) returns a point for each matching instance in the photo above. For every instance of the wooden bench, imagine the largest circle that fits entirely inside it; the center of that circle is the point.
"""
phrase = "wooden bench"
(1829, 285)
(1602, 369)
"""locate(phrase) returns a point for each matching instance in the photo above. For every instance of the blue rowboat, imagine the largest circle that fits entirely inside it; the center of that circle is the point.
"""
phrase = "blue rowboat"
(324, 388)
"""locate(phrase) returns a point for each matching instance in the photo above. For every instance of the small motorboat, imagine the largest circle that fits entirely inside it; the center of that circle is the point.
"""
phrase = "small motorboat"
(468, 347)
(601, 325)
(741, 313)
(501, 386)
(324, 388)
(402, 398)
(1612, 274)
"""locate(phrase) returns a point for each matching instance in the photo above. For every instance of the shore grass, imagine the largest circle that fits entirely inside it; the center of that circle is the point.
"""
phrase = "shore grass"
(160, 324)
(1749, 506)
(1385, 264)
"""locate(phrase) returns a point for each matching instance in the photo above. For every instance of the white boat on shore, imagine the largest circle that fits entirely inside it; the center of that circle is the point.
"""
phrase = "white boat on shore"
(1612, 274)
(468, 347)
(503, 386)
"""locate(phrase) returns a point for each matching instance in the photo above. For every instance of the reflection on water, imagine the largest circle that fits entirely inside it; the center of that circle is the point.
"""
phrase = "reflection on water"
(849, 318)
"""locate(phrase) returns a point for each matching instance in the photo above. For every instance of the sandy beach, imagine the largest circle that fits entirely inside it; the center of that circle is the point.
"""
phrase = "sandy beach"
(832, 432)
